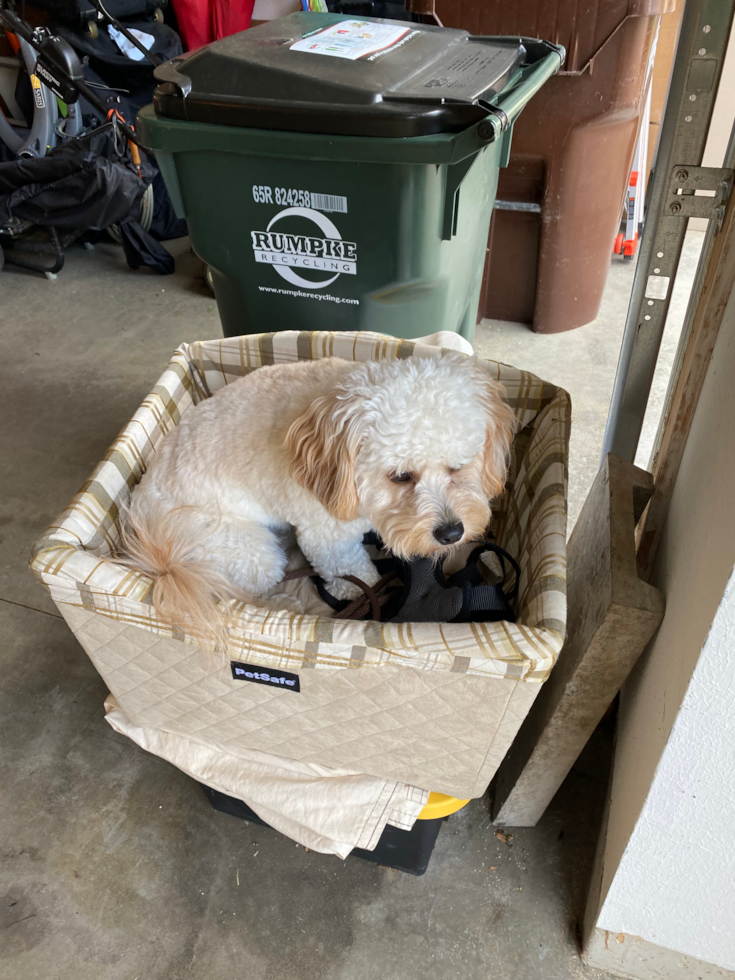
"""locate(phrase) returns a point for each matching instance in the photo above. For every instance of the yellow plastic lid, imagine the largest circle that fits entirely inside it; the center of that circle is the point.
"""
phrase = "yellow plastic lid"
(440, 805)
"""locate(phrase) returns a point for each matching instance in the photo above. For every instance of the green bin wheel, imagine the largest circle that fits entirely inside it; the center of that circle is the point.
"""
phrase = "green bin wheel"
(208, 277)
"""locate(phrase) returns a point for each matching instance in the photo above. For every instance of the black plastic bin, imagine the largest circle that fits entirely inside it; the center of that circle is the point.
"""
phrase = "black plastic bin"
(402, 850)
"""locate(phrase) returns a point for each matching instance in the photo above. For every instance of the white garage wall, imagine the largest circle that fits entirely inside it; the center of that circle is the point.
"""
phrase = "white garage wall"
(675, 885)
(667, 861)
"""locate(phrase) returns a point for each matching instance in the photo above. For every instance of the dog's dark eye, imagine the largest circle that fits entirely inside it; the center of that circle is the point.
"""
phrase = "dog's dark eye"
(454, 469)
(402, 477)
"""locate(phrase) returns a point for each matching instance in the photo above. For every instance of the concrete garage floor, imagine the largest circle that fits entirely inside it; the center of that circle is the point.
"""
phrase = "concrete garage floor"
(115, 867)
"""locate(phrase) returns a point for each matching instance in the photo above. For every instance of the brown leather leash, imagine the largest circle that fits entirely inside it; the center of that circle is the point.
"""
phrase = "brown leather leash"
(373, 597)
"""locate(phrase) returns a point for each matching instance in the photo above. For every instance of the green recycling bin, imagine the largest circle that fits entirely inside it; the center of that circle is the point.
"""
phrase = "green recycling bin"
(339, 174)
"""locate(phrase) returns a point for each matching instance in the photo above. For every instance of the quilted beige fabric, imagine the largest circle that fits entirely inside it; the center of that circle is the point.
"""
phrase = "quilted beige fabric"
(327, 810)
(433, 705)
(436, 730)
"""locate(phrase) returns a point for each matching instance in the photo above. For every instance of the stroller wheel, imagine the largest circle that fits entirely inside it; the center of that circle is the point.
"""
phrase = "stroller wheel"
(92, 30)
(158, 15)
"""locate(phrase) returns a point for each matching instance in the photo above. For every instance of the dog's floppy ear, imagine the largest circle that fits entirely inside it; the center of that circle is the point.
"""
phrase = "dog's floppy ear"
(500, 423)
(322, 444)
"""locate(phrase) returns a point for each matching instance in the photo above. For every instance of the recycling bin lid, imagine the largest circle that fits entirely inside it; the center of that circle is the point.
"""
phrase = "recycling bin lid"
(324, 73)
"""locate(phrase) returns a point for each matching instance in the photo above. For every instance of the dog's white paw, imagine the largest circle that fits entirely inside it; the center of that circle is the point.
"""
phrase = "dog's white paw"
(342, 589)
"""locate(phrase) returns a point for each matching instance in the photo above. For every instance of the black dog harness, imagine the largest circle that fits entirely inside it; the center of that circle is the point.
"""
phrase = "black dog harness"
(417, 591)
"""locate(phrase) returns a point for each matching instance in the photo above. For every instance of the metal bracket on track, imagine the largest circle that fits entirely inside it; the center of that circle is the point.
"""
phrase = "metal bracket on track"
(685, 198)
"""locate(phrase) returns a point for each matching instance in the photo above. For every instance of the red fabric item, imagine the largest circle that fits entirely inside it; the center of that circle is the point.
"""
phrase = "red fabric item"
(203, 21)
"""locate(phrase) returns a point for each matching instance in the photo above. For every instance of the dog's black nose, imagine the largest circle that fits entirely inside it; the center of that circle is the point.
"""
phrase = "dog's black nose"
(449, 533)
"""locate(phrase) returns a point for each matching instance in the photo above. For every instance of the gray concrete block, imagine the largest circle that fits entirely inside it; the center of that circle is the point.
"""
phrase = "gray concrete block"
(612, 616)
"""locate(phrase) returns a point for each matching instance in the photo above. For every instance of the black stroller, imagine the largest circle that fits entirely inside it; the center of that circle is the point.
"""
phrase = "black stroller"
(75, 170)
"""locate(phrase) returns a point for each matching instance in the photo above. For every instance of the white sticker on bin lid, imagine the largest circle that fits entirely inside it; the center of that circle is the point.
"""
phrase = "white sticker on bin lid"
(351, 39)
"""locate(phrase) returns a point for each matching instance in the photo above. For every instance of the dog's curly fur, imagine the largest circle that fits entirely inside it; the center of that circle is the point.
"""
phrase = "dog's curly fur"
(331, 448)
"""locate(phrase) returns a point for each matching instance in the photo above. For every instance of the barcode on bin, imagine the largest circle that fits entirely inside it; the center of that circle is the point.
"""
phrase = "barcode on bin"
(328, 202)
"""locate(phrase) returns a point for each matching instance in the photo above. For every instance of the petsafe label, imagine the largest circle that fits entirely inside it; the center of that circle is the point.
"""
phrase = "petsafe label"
(265, 675)
(351, 39)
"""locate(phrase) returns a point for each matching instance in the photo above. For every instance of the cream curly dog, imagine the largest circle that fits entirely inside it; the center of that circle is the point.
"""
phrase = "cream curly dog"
(413, 448)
